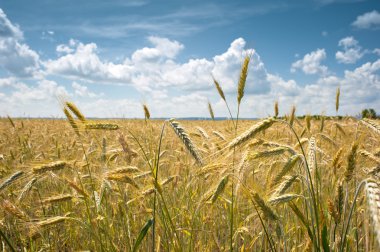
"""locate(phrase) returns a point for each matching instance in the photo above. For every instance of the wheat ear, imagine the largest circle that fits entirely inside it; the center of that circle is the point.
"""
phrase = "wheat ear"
(243, 78)
(373, 197)
(251, 132)
(11, 179)
(181, 133)
(76, 111)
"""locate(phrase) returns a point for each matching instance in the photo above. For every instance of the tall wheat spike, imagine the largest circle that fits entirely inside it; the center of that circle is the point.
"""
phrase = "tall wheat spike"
(308, 122)
(181, 133)
(76, 111)
(276, 109)
(71, 120)
(146, 112)
(11, 121)
(267, 210)
(243, 78)
(219, 89)
(322, 123)
(219, 189)
(337, 99)
(286, 168)
(292, 116)
(211, 111)
(335, 161)
(373, 198)
(251, 132)
(351, 162)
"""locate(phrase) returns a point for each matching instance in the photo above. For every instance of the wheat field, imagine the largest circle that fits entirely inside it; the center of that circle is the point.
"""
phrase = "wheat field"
(78, 188)
(276, 184)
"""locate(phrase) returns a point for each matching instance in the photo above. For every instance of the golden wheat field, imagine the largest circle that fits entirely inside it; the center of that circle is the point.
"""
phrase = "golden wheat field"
(278, 184)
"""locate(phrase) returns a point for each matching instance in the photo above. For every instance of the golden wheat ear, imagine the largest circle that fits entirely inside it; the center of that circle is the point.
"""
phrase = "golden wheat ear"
(181, 133)
(251, 132)
(373, 198)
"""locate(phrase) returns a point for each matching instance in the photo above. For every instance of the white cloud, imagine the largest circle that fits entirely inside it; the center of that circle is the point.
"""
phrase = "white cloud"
(83, 91)
(163, 48)
(15, 57)
(376, 51)
(152, 68)
(39, 99)
(367, 20)
(311, 63)
(351, 53)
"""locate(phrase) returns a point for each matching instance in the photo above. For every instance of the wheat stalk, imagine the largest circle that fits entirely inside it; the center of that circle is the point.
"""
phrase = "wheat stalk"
(11, 121)
(76, 111)
(26, 189)
(122, 177)
(279, 199)
(351, 162)
(11, 179)
(292, 116)
(101, 126)
(211, 111)
(340, 128)
(286, 168)
(267, 211)
(243, 78)
(322, 123)
(53, 166)
(288, 181)
(276, 109)
(308, 122)
(267, 153)
(251, 132)
(57, 198)
(181, 133)
(335, 161)
(203, 132)
(219, 189)
(71, 120)
(146, 112)
(311, 156)
(218, 134)
(337, 99)
(373, 198)
(219, 89)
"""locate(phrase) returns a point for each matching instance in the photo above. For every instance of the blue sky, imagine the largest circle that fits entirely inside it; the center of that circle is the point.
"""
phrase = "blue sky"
(109, 57)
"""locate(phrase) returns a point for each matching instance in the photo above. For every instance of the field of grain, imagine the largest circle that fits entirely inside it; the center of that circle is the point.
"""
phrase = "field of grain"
(147, 185)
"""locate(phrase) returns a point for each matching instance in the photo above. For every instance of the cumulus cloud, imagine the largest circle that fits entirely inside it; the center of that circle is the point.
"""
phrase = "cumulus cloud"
(15, 57)
(311, 63)
(368, 20)
(39, 99)
(351, 53)
(152, 68)
(83, 91)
